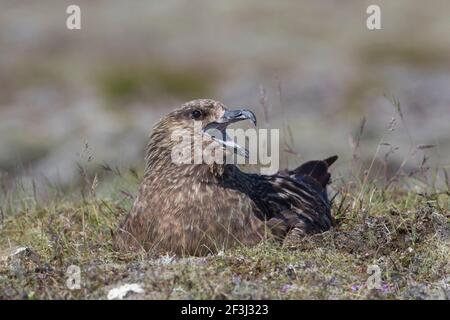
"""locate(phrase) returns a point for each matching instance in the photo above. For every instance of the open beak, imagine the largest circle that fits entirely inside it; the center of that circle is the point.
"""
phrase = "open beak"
(217, 129)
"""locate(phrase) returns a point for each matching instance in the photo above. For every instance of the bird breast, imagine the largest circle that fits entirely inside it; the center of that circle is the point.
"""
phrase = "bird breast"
(186, 215)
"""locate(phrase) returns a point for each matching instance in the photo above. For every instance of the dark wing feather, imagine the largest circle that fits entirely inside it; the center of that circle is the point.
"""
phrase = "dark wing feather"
(318, 169)
(299, 204)
(291, 201)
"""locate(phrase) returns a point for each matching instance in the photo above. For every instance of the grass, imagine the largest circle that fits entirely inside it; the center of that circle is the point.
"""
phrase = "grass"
(398, 226)
(404, 232)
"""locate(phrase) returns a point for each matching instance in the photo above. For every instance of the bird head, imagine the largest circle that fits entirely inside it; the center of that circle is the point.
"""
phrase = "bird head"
(203, 119)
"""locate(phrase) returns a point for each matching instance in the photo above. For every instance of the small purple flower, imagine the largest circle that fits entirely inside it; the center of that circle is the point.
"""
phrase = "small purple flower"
(385, 288)
(286, 287)
(356, 287)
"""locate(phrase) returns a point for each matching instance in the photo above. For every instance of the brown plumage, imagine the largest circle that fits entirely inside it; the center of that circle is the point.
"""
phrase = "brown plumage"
(196, 209)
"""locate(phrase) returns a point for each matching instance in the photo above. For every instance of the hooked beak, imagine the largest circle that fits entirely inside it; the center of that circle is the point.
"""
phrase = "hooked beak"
(229, 117)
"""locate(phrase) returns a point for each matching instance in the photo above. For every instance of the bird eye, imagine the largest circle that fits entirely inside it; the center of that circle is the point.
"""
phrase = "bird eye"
(196, 114)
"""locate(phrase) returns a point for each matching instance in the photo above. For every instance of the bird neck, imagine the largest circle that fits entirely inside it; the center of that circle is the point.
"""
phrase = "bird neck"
(159, 161)
(195, 173)
(160, 158)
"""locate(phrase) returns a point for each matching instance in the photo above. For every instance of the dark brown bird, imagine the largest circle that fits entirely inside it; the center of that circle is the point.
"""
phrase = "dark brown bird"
(196, 209)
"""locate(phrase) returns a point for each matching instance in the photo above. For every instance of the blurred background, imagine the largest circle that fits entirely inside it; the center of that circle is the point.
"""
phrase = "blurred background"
(311, 68)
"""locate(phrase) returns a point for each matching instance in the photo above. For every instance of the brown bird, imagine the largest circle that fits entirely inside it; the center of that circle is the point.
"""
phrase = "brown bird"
(196, 209)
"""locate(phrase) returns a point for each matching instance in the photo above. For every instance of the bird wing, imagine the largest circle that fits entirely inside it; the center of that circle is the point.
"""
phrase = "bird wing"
(318, 169)
(299, 205)
(290, 201)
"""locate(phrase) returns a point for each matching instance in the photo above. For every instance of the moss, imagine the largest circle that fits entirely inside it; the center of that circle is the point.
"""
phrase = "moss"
(403, 233)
